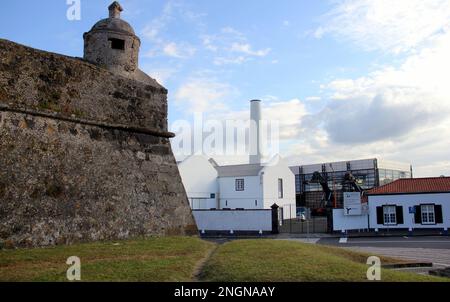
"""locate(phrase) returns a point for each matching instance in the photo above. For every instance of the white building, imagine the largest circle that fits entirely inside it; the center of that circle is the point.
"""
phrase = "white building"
(248, 186)
(416, 203)
(200, 181)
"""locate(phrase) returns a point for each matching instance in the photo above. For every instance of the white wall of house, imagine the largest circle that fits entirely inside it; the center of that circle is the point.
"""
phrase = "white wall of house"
(200, 181)
(278, 169)
(250, 198)
(407, 201)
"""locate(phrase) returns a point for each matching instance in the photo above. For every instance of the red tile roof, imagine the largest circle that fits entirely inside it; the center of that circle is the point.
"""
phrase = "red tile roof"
(414, 185)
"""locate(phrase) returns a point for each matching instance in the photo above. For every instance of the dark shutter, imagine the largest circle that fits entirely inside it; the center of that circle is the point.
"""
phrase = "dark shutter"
(438, 213)
(418, 214)
(380, 217)
(399, 213)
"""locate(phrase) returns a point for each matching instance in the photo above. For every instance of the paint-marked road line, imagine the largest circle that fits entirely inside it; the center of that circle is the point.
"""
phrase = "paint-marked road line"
(441, 264)
(303, 240)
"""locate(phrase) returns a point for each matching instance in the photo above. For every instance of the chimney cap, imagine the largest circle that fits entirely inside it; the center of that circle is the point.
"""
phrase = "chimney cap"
(115, 9)
(255, 101)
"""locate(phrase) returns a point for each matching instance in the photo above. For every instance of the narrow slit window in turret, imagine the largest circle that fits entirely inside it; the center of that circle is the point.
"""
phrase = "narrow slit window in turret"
(117, 43)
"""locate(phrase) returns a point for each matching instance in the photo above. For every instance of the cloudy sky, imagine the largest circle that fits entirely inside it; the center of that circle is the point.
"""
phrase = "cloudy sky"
(346, 79)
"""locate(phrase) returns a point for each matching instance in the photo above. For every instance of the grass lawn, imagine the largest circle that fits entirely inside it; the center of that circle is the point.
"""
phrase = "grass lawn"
(179, 258)
(273, 260)
(150, 259)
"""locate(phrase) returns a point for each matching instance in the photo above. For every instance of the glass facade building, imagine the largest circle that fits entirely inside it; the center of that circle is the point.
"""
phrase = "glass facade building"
(369, 173)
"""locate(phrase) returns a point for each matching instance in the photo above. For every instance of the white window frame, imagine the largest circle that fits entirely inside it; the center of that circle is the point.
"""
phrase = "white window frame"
(240, 185)
(428, 214)
(390, 215)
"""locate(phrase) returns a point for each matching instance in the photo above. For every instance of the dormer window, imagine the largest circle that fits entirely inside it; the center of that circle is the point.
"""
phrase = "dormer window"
(117, 43)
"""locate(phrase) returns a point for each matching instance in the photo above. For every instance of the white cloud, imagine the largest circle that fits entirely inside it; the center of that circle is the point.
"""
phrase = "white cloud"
(231, 47)
(395, 113)
(160, 74)
(426, 150)
(395, 102)
(154, 28)
(426, 72)
(156, 31)
(234, 32)
(391, 114)
(230, 60)
(288, 114)
(313, 98)
(171, 50)
(203, 95)
(246, 48)
(391, 26)
(208, 44)
(150, 33)
(180, 51)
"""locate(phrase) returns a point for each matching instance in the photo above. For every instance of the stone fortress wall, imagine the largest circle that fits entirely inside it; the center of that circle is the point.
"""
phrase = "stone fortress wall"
(84, 153)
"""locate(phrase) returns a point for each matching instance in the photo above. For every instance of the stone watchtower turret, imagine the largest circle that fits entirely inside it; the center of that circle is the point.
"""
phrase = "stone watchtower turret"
(113, 44)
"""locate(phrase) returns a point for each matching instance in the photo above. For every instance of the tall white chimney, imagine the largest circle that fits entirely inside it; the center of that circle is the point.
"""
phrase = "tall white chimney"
(255, 132)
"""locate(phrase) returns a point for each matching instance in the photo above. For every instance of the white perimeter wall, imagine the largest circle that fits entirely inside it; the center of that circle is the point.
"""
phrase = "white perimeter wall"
(203, 203)
(406, 201)
(348, 223)
(249, 220)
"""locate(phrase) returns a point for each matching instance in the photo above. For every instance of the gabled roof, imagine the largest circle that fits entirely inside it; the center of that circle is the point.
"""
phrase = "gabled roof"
(414, 185)
(239, 170)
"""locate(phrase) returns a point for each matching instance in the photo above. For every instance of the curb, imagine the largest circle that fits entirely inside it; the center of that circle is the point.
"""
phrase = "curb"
(313, 236)
(408, 265)
(441, 272)
(381, 235)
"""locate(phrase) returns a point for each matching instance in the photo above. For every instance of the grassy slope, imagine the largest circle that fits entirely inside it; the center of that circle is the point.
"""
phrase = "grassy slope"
(153, 259)
(272, 260)
(176, 259)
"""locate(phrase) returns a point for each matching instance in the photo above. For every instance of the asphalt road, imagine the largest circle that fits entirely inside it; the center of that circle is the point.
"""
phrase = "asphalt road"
(393, 242)
(424, 249)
